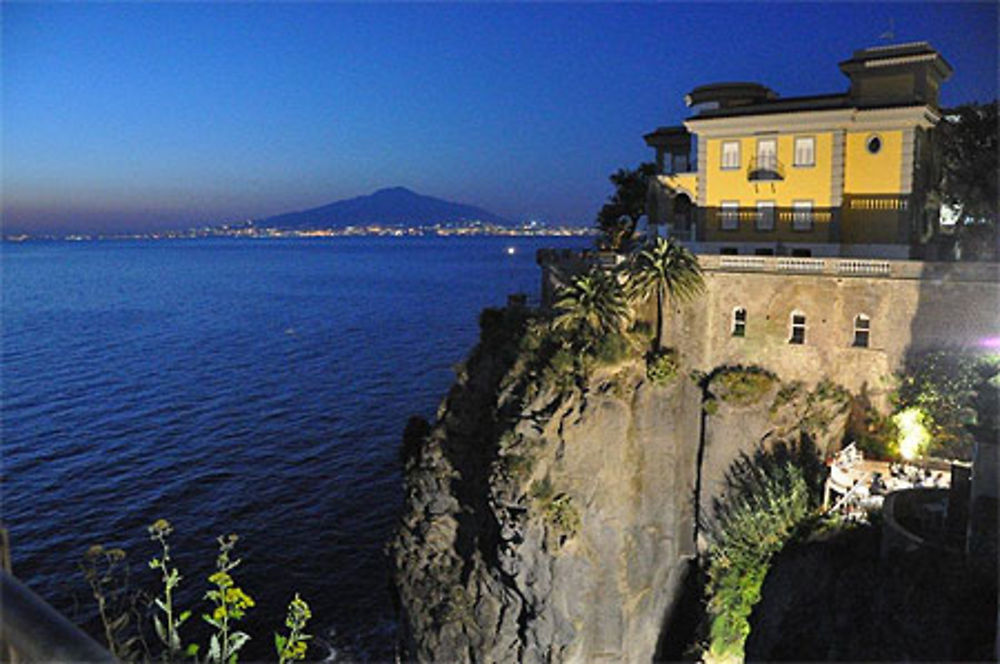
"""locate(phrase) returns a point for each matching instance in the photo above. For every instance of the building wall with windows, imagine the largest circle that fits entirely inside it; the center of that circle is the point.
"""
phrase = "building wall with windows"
(745, 316)
(827, 175)
(810, 182)
(862, 318)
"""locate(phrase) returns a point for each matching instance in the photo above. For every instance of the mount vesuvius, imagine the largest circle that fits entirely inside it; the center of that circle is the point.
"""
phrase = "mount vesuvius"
(394, 206)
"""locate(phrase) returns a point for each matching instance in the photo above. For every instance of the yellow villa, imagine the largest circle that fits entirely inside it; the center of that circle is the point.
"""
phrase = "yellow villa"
(843, 174)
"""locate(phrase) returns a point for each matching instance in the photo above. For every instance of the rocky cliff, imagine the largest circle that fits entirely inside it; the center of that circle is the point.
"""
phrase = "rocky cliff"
(551, 508)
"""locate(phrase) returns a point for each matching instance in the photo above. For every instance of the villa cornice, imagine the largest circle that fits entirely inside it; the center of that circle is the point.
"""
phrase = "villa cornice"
(794, 122)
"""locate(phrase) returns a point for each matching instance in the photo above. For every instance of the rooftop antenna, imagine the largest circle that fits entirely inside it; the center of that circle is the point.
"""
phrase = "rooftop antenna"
(890, 34)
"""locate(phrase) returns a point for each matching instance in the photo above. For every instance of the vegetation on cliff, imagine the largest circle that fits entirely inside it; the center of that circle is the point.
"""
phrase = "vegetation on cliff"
(956, 395)
(126, 613)
(770, 496)
(619, 217)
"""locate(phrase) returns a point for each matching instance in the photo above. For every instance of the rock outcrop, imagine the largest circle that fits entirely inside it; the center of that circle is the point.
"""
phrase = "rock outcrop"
(550, 516)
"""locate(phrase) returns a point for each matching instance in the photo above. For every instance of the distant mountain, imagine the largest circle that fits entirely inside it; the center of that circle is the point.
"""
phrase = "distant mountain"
(390, 207)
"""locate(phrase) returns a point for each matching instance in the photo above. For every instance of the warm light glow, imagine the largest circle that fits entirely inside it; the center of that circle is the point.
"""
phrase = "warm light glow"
(990, 342)
(913, 435)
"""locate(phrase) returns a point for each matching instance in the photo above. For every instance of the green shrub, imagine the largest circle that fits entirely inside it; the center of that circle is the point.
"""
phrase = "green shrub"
(742, 386)
(518, 466)
(562, 370)
(611, 349)
(766, 502)
(957, 392)
(711, 406)
(827, 390)
(541, 490)
(787, 393)
(562, 515)
(661, 366)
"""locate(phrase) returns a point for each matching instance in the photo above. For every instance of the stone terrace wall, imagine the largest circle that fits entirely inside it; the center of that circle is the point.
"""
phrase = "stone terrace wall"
(912, 307)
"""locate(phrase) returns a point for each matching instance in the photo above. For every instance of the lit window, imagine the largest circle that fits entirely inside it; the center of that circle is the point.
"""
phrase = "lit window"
(730, 154)
(765, 215)
(862, 330)
(805, 151)
(739, 322)
(802, 215)
(874, 143)
(798, 329)
(730, 218)
(767, 154)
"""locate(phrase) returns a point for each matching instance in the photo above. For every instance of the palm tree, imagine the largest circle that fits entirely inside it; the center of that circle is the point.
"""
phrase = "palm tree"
(668, 271)
(591, 305)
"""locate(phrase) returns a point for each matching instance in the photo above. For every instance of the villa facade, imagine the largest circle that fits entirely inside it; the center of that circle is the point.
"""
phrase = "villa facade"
(843, 174)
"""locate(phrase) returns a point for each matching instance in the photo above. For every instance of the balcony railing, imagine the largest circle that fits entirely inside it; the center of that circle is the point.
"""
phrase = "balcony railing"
(767, 220)
(765, 167)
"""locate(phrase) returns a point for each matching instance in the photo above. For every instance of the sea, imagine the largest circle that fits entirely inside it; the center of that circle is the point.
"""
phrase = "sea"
(250, 386)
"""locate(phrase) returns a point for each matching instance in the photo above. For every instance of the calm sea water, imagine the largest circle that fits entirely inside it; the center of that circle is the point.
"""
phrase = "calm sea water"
(256, 387)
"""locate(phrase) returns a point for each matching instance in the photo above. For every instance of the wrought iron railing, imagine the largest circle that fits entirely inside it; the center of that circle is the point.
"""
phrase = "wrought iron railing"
(765, 167)
(767, 220)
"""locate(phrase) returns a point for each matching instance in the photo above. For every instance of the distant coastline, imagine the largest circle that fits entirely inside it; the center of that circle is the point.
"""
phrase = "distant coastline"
(250, 230)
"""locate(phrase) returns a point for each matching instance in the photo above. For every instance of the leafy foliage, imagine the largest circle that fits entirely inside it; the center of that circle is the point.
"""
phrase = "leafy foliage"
(620, 215)
(590, 306)
(666, 271)
(742, 386)
(293, 647)
(966, 149)
(168, 632)
(230, 605)
(611, 349)
(563, 516)
(661, 366)
(768, 498)
(107, 574)
(873, 432)
(958, 394)
(556, 508)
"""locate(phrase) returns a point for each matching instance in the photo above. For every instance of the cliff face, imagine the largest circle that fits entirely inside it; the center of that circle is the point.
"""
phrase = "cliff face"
(550, 518)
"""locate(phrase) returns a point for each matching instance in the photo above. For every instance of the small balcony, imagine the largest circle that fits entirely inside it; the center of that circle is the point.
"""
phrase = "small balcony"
(765, 168)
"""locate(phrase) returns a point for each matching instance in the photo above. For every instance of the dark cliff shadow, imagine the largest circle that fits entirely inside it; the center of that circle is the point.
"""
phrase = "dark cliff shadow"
(684, 624)
(474, 424)
(835, 599)
(956, 309)
(954, 330)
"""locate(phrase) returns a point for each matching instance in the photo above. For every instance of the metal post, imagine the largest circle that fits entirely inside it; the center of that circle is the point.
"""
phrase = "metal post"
(39, 633)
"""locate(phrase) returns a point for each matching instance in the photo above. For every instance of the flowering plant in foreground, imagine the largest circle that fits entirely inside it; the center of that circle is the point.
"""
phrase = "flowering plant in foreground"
(293, 647)
(231, 604)
(228, 604)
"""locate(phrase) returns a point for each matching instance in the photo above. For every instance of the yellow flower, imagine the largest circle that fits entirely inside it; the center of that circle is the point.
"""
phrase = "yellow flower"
(160, 527)
(238, 598)
(221, 579)
(219, 613)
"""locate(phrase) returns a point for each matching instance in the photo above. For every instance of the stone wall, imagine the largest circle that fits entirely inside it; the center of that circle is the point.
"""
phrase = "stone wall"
(912, 306)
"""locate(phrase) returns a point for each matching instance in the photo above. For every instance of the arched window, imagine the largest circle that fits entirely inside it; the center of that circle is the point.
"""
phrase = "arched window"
(739, 322)
(862, 331)
(798, 328)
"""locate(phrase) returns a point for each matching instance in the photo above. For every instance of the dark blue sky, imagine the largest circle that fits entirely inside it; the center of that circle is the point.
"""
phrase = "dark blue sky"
(146, 116)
